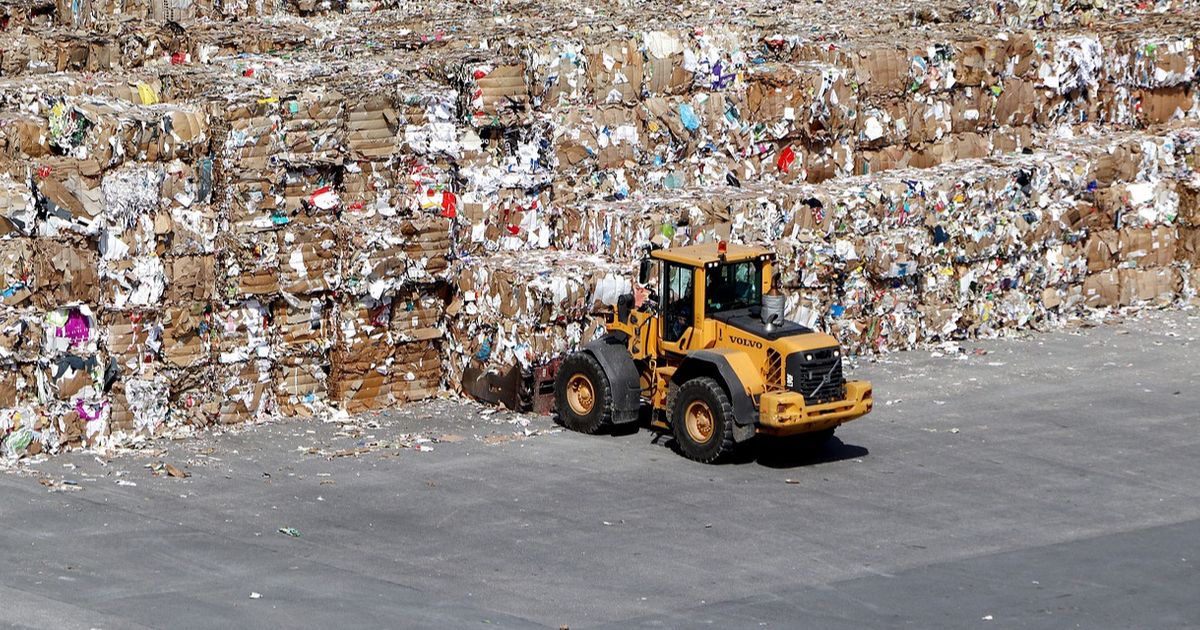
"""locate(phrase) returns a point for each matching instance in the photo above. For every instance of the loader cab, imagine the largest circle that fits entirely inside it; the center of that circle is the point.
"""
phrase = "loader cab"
(699, 282)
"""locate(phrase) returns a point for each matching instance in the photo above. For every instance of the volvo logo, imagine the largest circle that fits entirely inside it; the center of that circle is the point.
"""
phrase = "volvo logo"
(749, 343)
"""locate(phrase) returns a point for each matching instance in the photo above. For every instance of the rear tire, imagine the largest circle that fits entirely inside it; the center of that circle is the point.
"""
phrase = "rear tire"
(702, 420)
(581, 394)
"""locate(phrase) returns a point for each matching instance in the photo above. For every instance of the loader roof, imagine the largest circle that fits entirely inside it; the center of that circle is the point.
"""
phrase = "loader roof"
(704, 253)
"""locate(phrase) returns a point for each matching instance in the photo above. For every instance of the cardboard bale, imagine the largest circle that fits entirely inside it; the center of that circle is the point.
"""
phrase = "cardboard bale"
(132, 283)
(614, 71)
(299, 387)
(1102, 289)
(69, 330)
(250, 266)
(509, 219)
(1161, 105)
(522, 309)
(807, 101)
(1189, 202)
(882, 70)
(1148, 247)
(313, 126)
(1148, 285)
(17, 385)
(303, 327)
(18, 212)
(370, 188)
(417, 313)
(191, 278)
(133, 340)
(247, 391)
(1188, 249)
(23, 135)
(308, 259)
(663, 69)
(254, 136)
(372, 128)
(18, 264)
(492, 89)
(77, 379)
(195, 395)
(256, 202)
(70, 192)
(361, 360)
(617, 230)
(187, 334)
(239, 332)
(1102, 250)
(428, 114)
(416, 371)
(558, 76)
(21, 335)
(395, 253)
(309, 194)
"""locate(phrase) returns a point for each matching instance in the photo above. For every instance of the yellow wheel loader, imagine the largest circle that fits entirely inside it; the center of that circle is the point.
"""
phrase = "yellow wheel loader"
(711, 354)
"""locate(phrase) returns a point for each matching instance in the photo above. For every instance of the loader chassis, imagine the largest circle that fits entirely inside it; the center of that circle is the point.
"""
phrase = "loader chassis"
(710, 368)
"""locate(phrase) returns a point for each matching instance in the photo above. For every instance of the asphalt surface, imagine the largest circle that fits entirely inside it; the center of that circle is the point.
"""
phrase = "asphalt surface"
(1047, 482)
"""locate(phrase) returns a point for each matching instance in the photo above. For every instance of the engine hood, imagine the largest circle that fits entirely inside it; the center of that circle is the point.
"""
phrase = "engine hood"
(744, 320)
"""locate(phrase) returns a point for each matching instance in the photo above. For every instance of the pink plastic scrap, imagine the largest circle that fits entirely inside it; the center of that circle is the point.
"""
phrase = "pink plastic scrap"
(77, 328)
(83, 412)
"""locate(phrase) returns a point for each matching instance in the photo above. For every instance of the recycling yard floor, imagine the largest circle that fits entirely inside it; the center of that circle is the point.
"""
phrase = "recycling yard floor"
(1049, 482)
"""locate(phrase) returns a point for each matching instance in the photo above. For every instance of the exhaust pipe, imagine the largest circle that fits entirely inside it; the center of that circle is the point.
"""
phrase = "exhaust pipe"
(772, 307)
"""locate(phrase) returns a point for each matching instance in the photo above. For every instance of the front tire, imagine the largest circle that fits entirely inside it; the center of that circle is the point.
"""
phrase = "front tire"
(702, 420)
(581, 394)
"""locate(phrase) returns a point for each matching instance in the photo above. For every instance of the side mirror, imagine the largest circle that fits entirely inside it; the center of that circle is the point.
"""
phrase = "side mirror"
(644, 272)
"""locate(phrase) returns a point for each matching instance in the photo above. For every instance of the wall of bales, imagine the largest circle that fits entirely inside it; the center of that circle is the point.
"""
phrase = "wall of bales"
(207, 221)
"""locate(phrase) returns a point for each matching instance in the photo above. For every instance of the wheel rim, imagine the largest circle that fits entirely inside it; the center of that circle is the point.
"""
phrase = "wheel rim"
(699, 421)
(581, 396)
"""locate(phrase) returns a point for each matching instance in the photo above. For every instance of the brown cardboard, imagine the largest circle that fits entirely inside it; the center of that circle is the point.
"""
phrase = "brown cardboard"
(1188, 249)
(185, 338)
(882, 70)
(1101, 250)
(304, 327)
(417, 371)
(308, 259)
(614, 71)
(416, 316)
(1155, 285)
(247, 392)
(1102, 289)
(191, 279)
(665, 75)
(131, 337)
(17, 384)
(1189, 202)
(1163, 104)
(64, 274)
(258, 282)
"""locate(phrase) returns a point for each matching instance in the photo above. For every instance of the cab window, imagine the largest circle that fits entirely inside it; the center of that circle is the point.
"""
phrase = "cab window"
(678, 301)
(733, 286)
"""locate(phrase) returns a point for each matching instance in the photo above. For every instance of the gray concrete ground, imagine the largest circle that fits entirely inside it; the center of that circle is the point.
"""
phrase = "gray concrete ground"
(1049, 483)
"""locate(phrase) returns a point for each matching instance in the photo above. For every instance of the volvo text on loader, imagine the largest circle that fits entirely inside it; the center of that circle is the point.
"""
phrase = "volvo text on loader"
(711, 354)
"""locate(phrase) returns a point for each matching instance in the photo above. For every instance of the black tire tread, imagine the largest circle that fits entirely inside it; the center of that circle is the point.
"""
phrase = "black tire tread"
(686, 393)
(601, 414)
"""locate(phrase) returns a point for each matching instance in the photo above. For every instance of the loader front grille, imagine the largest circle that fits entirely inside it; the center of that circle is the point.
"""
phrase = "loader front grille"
(817, 375)
(774, 371)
